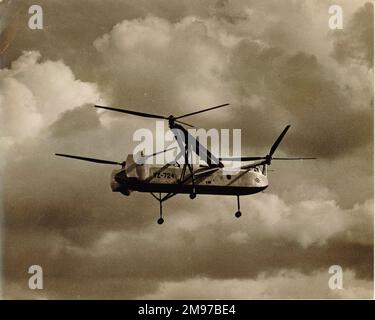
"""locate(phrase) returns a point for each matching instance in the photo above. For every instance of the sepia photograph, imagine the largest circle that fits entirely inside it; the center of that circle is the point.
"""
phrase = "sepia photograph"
(186, 150)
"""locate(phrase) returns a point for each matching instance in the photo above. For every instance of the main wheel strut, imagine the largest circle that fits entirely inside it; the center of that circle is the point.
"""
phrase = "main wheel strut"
(161, 199)
(160, 220)
(238, 213)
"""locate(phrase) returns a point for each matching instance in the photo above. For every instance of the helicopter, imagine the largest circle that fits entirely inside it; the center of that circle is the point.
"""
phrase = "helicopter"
(166, 181)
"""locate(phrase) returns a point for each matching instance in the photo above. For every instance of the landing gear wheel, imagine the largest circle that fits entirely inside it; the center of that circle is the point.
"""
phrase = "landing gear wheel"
(238, 214)
(160, 221)
(192, 195)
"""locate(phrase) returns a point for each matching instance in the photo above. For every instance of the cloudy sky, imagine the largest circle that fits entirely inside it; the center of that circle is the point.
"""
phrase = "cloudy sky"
(276, 62)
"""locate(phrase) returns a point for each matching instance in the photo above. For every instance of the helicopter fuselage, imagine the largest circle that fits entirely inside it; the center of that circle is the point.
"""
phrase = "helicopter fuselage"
(167, 179)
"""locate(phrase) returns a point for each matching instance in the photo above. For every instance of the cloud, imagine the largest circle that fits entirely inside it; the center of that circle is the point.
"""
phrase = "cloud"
(75, 121)
(34, 93)
(169, 67)
(297, 89)
(93, 243)
(108, 234)
(142, 66)
(355, 42)
(284, 285)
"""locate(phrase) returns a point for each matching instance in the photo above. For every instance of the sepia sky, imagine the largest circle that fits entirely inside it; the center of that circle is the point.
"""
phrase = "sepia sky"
(276, 62)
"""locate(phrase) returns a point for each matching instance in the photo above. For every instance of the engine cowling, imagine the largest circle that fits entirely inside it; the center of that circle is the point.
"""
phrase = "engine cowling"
(118, 182)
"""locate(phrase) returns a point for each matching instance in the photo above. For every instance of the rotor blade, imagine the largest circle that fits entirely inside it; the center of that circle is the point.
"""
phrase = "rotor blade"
(252, 165)
(294, 158)
(186, 124)
(135, 113)
(241, 158)
(141, 158)
(277, 142)
(88, 159)
(206, 171)
(200, 111)
(156, 153)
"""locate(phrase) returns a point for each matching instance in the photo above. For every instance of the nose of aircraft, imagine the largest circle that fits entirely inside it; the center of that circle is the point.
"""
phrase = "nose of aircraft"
(260, 180)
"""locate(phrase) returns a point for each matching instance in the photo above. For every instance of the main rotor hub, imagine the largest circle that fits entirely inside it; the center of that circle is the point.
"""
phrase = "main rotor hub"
(268, 159)
(171, 120)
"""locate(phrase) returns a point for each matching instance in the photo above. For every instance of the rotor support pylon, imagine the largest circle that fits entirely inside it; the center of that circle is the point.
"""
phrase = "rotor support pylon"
(193, 193)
